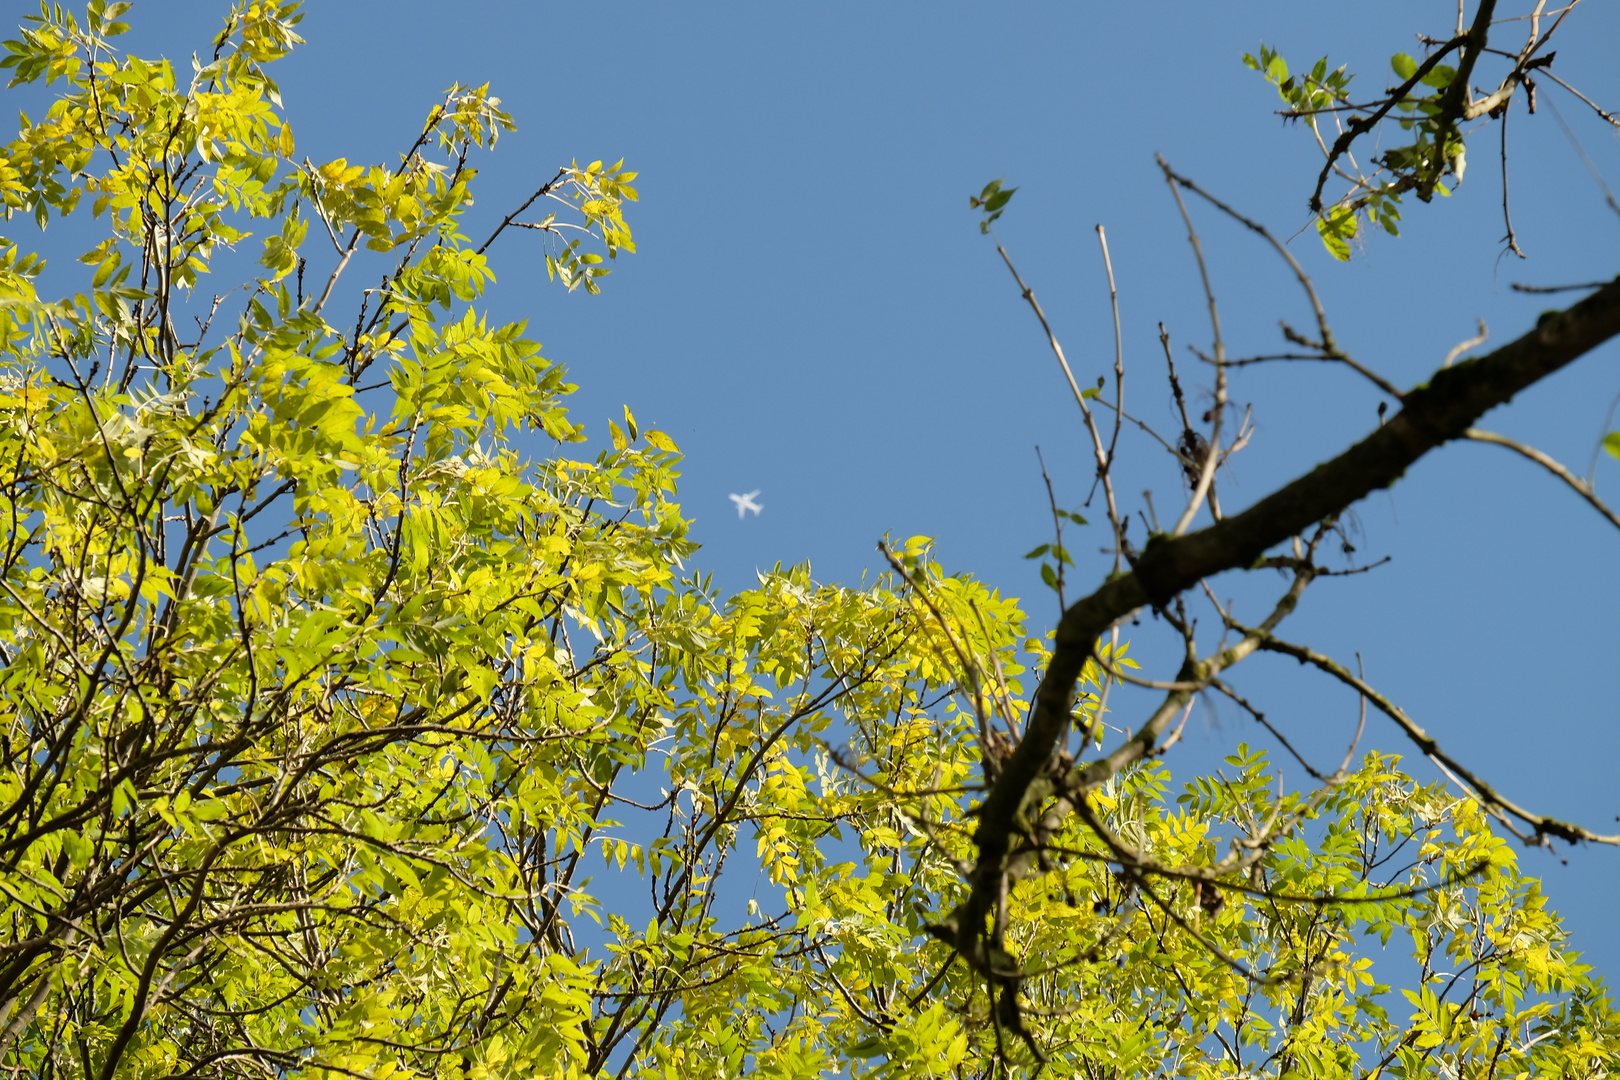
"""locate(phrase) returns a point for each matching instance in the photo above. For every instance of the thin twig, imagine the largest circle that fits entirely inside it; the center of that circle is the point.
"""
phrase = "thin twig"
(1327, 343)
(1175, 383)
(1059, 553)
(1582, 488)
(1146, 429)
(545, 189)
(1507, 216)
(1080, 399)
(1119, 347)
(1591, 166)
(1260, 718)
(1206, 475)
(1463, 346)
(1606, 115)
(1543, 826)
(331, 282)
(1597, 448)
(1377, 380)
(1517, 287)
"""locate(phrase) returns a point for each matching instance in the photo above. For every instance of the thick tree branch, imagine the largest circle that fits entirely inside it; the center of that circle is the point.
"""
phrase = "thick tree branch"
(1435, 413)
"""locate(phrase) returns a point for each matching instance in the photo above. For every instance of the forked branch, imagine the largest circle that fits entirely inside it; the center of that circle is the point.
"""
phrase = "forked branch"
(1443, 410)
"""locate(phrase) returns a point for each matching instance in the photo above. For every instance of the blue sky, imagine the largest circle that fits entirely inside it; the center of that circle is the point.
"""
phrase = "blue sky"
(813, 313)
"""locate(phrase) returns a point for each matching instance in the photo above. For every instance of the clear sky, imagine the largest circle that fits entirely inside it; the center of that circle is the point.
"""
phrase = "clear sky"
(813, 313)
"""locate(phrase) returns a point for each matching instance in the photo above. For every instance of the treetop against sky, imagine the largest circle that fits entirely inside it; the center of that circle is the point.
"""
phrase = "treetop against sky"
(380, 698)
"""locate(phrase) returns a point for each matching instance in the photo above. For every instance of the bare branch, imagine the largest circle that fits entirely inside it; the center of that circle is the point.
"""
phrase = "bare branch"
(1206, 476)
(1517, 287)
(1543, 826)
(1581, 487)
(1463, 346)
(544, 189)
(1097, 447)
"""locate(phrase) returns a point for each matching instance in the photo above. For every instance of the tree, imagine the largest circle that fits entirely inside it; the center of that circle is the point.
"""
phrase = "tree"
(343, 736)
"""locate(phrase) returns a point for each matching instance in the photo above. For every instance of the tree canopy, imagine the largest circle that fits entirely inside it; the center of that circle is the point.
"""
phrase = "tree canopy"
(350, 727)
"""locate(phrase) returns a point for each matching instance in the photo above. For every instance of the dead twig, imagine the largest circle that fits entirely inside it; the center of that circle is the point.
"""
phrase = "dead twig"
(1463, 346)
(1581, 487)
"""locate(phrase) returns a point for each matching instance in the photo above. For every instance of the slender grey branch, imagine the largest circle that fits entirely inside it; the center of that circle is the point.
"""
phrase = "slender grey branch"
(1463, 346)
(1581, 487)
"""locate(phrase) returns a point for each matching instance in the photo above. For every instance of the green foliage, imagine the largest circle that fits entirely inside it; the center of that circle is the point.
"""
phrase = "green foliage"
(1337, 227)
(1435, 149)
(341, 737)
(1429, 103)
(992, 200)
(1151, 977)
(1052, 572)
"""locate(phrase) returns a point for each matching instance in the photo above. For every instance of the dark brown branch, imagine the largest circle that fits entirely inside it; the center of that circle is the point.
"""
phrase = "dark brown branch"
(1605, 114)
(1543, 826)
(1518, 287)
(544, 189)
(1433, 414)
(1507, 214)
(1361, 125)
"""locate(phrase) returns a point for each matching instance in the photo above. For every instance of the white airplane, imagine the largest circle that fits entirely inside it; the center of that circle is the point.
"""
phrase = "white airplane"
(746, 503)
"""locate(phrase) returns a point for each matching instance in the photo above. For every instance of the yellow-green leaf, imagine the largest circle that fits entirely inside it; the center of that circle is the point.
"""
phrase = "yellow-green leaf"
(658, 440)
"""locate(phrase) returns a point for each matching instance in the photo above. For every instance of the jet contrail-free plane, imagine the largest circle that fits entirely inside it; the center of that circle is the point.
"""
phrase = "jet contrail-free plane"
(746, 503)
